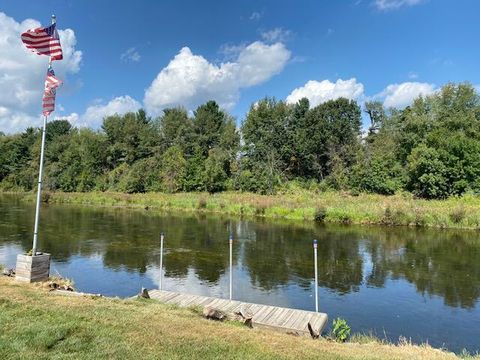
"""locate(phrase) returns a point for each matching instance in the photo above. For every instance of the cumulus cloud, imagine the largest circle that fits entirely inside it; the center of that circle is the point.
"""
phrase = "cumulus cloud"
(394, 4)
(22, 73)
(276, 35)
(190, 79)
(95, 113)
(131, 55)
(318, 92)
(402, 95)
(72, 118)
(230, 52)
(255, 16)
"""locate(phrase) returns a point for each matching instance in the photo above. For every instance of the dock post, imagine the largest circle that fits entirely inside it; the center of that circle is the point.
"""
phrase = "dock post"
(231, 264)
(315, 259)
(162, 236)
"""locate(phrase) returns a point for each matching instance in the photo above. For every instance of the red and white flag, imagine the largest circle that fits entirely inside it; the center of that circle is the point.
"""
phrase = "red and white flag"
(51, 84)
(44, 41)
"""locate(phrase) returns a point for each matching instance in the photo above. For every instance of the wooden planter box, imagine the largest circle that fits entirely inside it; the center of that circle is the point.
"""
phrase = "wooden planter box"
(32, 268)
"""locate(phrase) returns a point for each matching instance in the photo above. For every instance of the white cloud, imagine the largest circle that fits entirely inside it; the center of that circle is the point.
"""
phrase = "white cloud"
(22, 73)
(72, 118)
(231, 52)
(190, 79)
(276, 35)
(394, 4)
(477, 87)
(318, 92)
(412, 75)
(402, 95)
(93, 116)
(255, 16)
(131, 55)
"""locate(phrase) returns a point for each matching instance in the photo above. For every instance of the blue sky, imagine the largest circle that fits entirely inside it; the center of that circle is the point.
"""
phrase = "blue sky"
(155, 54)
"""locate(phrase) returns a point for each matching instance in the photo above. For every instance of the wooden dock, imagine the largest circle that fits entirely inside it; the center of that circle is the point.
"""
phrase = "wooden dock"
(273, 317)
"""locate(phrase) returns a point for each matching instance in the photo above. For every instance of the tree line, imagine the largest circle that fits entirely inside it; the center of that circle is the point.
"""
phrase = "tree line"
(431, 148)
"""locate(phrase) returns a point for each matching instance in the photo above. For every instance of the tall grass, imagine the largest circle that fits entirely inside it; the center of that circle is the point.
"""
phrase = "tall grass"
(330, 207)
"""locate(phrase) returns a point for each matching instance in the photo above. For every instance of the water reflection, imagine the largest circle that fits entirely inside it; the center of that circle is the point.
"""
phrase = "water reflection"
(445, 263)
(272, 257)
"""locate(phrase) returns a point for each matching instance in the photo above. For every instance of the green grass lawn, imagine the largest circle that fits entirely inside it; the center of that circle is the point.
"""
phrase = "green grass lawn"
(36, 324)
(331, 207)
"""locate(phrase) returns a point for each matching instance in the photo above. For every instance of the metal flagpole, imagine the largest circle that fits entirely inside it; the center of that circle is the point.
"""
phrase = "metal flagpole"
(162, 236)
(40, 174)
(231, 264)
(316, 273)
(39, 189)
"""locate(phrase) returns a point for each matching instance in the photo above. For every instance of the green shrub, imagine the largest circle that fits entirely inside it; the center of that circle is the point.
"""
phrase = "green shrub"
(216, 170)
(245, 181)
(45, 197)
(457, 215)
(341, 330)
(202, 203)
(427, 173)
(320, 214)
(260, 209)
(380, 175)
(173, 169)
(419, 218)
(354, 192)
(388, 216)
(345, 219)
(323, 186)
(393, 217)
(133, 180)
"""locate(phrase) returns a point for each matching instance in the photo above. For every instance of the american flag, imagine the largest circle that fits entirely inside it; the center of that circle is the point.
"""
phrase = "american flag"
(51, 84)
(44, 41)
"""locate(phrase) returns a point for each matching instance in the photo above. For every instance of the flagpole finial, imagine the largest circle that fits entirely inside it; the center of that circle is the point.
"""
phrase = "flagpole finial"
(54, 19)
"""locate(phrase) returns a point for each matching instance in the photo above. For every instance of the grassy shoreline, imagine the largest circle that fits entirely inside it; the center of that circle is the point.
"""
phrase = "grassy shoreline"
(328, 207)
(41, 325)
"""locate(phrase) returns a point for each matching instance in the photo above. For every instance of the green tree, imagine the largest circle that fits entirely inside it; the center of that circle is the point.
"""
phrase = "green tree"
(377, 115)
(329, 137)
(16, 159)
(79, 164)
(207, 125)
(431, 148)
(173, 169)
(176, 129)
(57, 128)
(130, 137)
(267, 145)
(216, 170)
(427, 173)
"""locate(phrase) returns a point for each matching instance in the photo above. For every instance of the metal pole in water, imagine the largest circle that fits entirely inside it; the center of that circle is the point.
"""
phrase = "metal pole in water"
(162, 236)
(231, 264)
(315, 259)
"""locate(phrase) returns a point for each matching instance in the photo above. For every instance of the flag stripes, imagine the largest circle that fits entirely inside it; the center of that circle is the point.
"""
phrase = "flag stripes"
(51, 84)
(44, 41)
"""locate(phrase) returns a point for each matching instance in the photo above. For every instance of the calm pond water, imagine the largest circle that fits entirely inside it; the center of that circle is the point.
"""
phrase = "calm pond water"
(418, 283)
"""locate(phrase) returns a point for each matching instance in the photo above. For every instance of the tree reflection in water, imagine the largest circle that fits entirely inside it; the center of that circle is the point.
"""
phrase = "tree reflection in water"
(274, 254)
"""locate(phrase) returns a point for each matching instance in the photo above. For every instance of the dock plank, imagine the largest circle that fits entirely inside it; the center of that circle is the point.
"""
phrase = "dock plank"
(273, 317)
